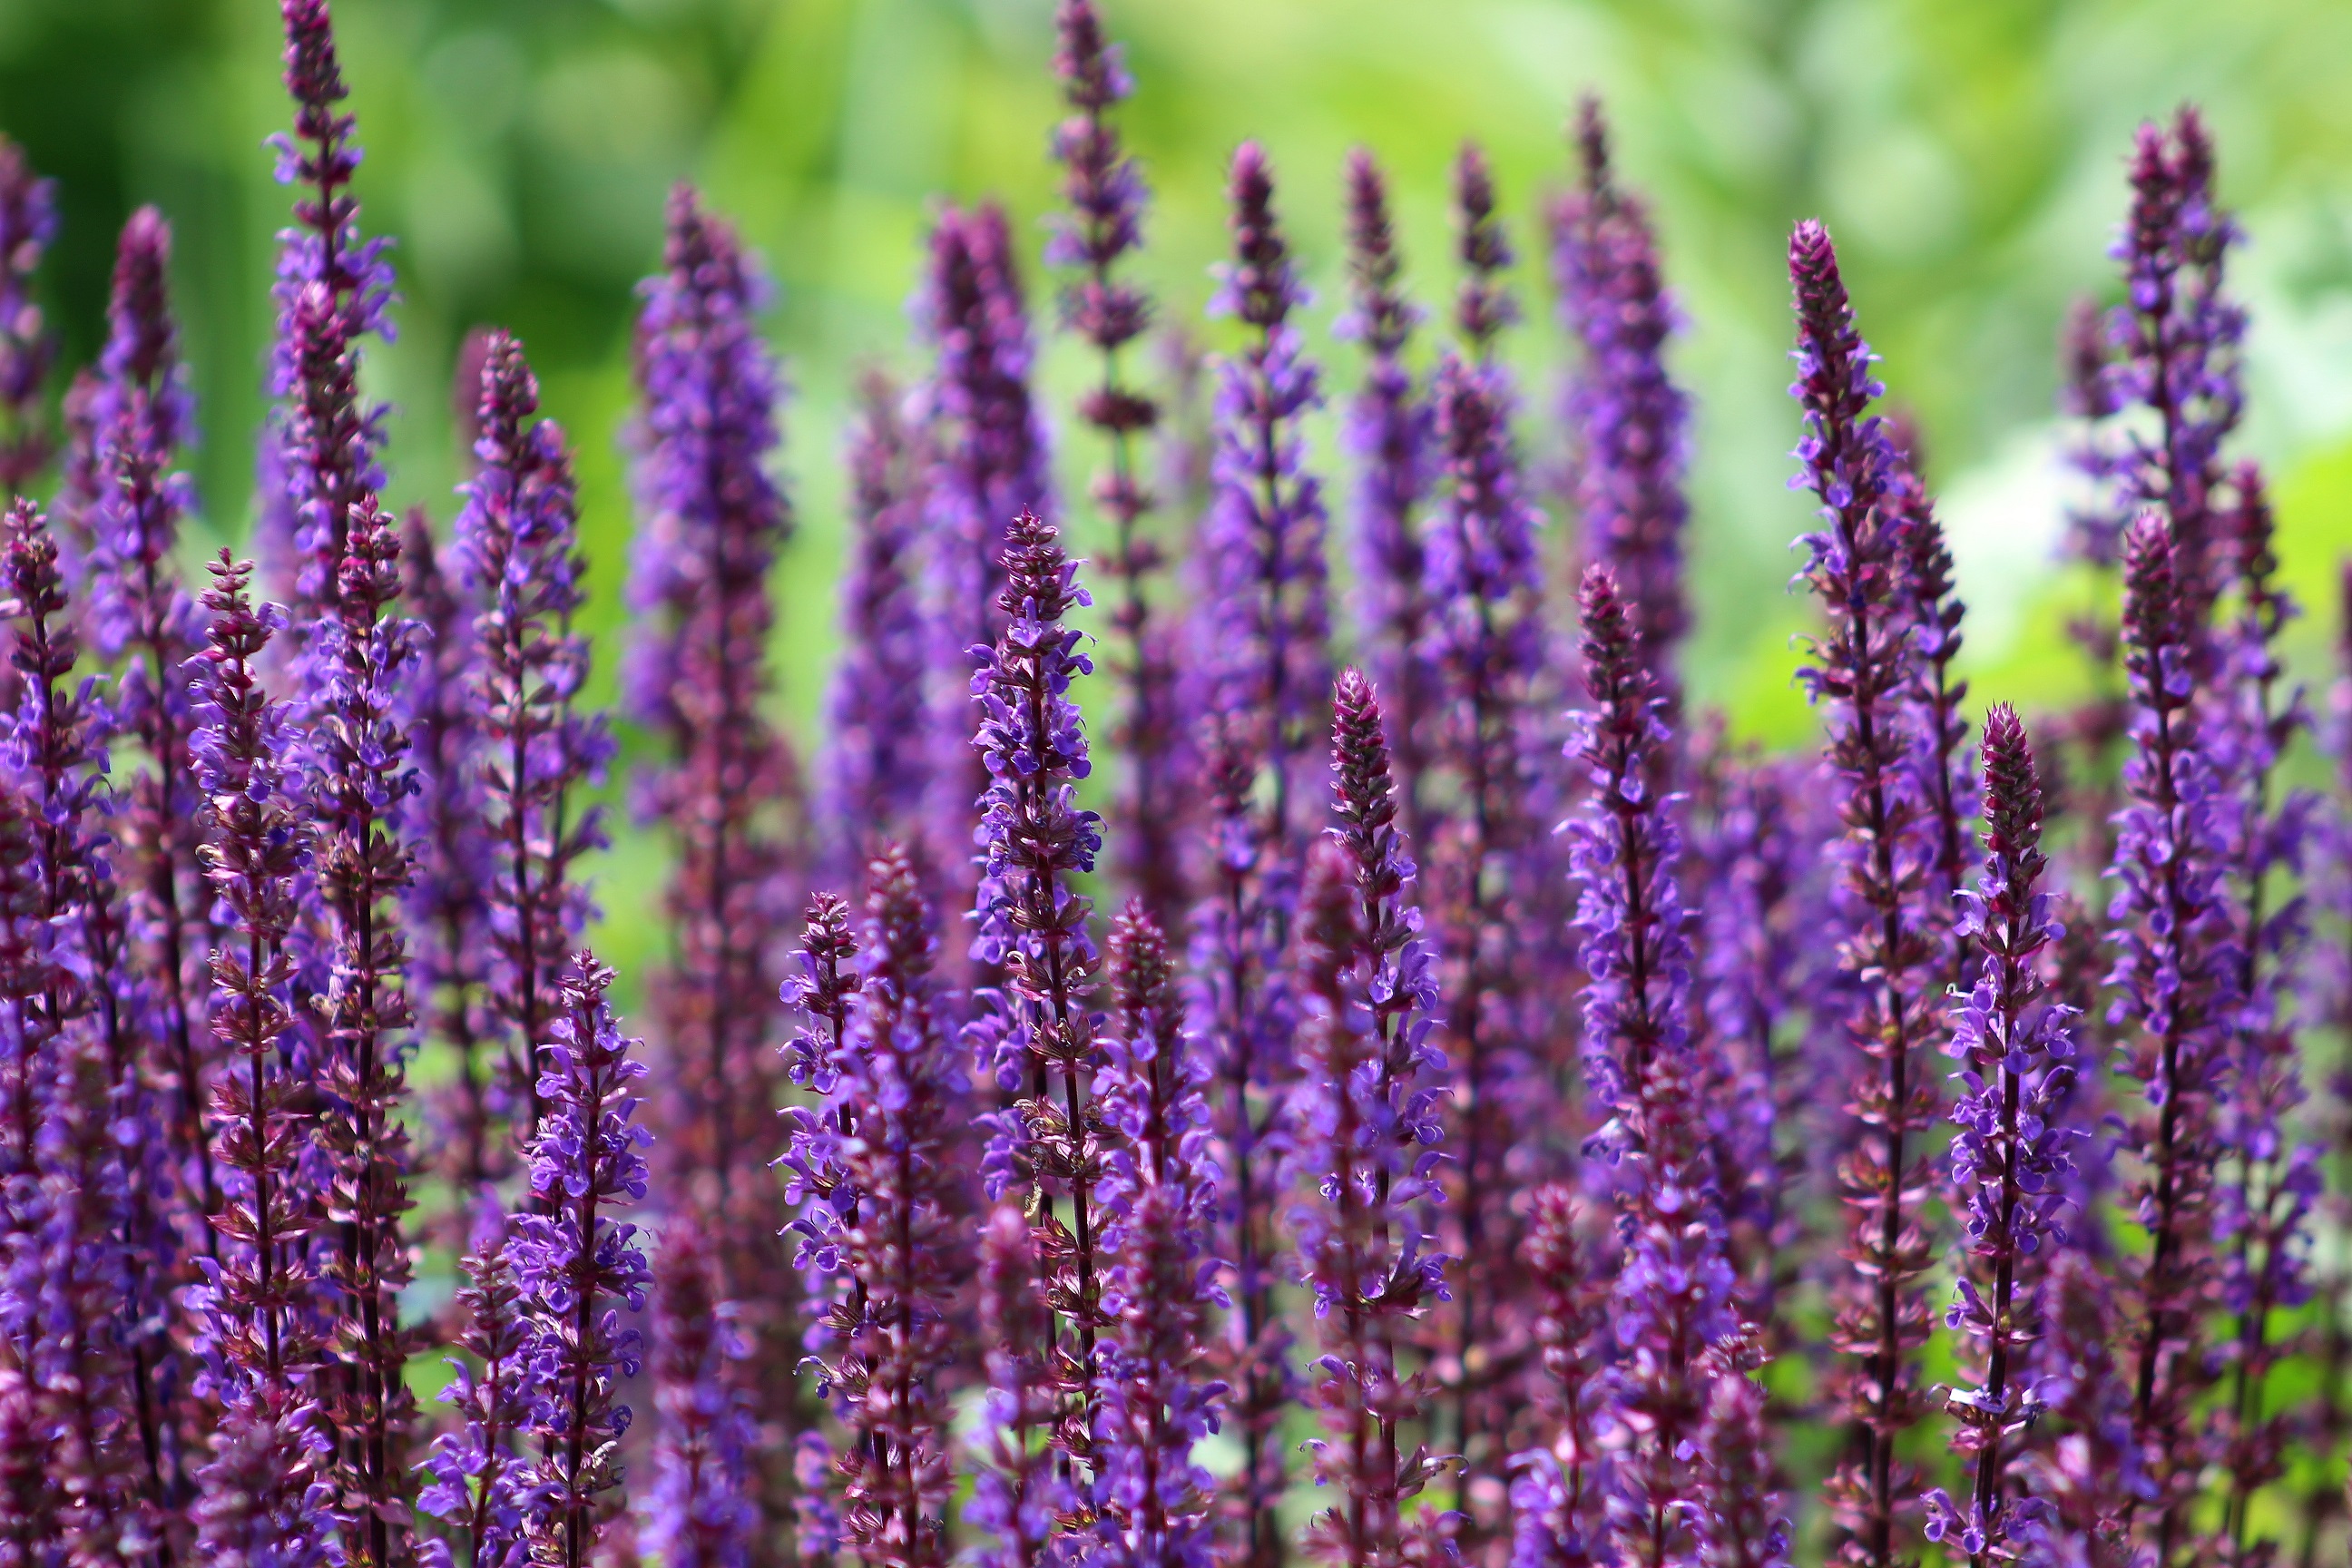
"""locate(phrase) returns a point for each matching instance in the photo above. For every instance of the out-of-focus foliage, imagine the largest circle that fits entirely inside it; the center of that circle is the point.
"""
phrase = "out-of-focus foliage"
(1969, 157)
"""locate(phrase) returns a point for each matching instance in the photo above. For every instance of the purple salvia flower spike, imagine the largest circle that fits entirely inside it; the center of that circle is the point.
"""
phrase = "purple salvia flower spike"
(358, 780)
(518, 558)
(1018, 1494)
(2094, 1474)
(727, 782)
(1159, 1209)
(1628, 422)
(1490, 876)
(1262, 636)
(884, 1211)
(1366, 1152)
(1947, 781)
(1563, 1484)
(699, 1512)
(448, 901)
(1865, 676)
(2265, 1203)
(879, 756)
(1738, 1497)
(476, 1473)
(577, 1267)
(2176, 977)
(2011, 1154)
(1037, 1029)
(1391, 431)
(264, 1496)
(1482, 306)
(28, 222)
(334, 289)
(1104, 225)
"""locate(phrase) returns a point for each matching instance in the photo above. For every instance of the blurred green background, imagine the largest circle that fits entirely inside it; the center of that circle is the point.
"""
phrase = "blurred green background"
(1968, 155)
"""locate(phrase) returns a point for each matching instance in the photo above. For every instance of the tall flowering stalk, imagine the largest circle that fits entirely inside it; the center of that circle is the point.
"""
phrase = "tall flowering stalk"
(1035, 1031)
(728, 785)
(332, 289)
(446, 903)
(1866, 676)
(519, 560)
(1104, 226)
(576, 1267)
(1485, 595)
(1674, 1296)
(264, 1495)
(1483, 305)
(1941, 747)
(699, 1512)
(2092, 1474)
(1158, 1200)
(1565, 1481)
(1019, 1492)
(1391, 431)
(2175, 976)
(2265, 1205)
(28, 222)
(884, 1222)
(476, 1471)
(2009, 1158)
(1628, 422)
(880, 758)
(1264, 636)
(142, 616)
(1365, 1151)
(358, 779)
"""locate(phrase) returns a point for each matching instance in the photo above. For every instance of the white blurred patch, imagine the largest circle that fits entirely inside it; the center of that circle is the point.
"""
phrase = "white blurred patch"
(2004, 519)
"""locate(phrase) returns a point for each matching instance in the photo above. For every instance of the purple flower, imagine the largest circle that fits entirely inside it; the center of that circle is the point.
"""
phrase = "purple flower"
(1159, 1210)
(1628, 422)
(1018, 1492)
(699, 1512)
(2093, 1472)
(1558, 1497)
(477, 1470)
(1866, 676)
(1104, 225)
(1743, 1522)
(1262, 638)
(1391, 431)
(1483, 307)
(533, 750)
(1489, 875)
(879, 756)
(1366, 1131)
(334, 289)
(883, 1214)
(1941, 748)
(575, 1265)
(1674, 1295)
(28, 222)
(264, 1496)
(2176, 983)
(2010, 1156)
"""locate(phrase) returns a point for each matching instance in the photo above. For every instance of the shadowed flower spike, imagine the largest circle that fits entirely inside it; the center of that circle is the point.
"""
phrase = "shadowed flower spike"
(2093, 1473)
(1865, 677)
(358, 780)
(1628, 422)
(1035, 1031)
(2175, 979)
(880, 755)
(1262, 638)
(477, 1471)
(1391, 431)
(1674, 1296)
(1367, 1150)
(1490, 874)
(517, 557)
(1158, 1209)
(1483, 307)
(576, 1268)
(28, 222)
(1563, 1484)
(726, 783)
(332, 289)
(1104, 226)
(699, 1512)
(1940, 747)
(1018, 1491)
(884, 1214)
(262, 1500)
(2009, 1158)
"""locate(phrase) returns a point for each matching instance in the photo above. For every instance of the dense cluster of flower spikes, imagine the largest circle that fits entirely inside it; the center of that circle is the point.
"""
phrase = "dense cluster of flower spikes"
(1393, 1179)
